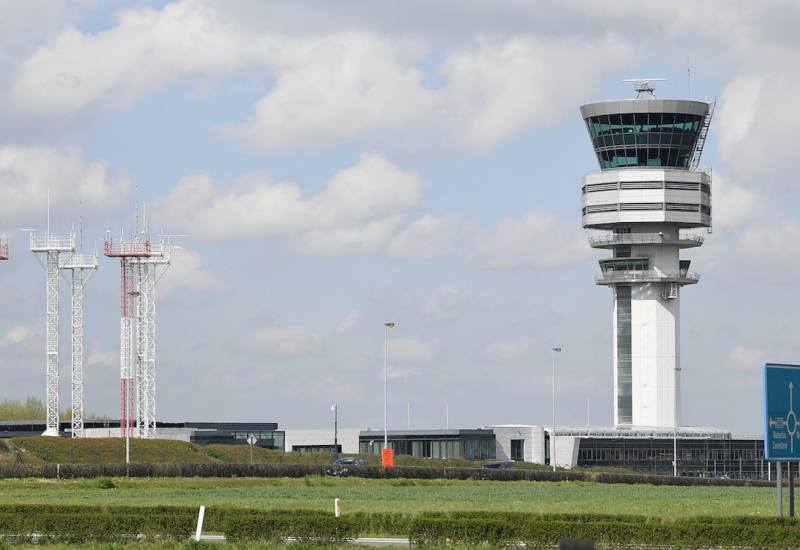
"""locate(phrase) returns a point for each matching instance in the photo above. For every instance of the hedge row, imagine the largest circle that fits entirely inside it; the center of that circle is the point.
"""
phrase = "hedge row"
(82, 527)
(77, 524)
(195, 469)
(547, 531)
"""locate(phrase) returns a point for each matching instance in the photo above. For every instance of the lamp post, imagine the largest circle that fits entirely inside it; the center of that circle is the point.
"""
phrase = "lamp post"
(553, 437)
(386, 327)
(675, 438)
(335, 410)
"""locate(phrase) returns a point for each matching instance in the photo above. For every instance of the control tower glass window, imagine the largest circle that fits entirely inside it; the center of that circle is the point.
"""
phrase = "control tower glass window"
(644, 139)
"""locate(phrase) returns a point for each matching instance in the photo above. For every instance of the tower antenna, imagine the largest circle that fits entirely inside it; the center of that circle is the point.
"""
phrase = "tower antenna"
(643, 87)
(689, 77)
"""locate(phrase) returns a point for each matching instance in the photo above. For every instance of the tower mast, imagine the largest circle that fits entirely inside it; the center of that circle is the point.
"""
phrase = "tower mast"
(644, 202)
(127, 252)
(77, 263)
(52, 247)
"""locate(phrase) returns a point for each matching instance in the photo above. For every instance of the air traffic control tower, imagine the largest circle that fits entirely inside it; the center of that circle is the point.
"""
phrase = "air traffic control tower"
(645, 202)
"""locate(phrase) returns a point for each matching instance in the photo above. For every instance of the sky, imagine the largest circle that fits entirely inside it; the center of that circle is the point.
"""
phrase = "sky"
(335, 166)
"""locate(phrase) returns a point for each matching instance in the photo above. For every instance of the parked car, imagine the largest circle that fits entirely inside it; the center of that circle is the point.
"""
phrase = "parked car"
(499, 465)
(352, 460)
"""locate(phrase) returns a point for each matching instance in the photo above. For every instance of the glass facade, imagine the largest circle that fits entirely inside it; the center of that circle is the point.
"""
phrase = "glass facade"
(624, 362)
(707, 457)
(303, 449)
(644, 139)
(266, 439)
(518, 449)
(624, 264)
(466, 444)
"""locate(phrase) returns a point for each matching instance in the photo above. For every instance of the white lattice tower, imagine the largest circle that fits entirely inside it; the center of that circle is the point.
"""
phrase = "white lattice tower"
(77, 263)
(52, 248)
(149, 271)
(127, 252)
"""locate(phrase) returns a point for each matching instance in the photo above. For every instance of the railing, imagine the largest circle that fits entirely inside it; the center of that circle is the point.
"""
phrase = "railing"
(49, 242)
(3, 251)
(598, 241)
(647, 276)
(114, 248)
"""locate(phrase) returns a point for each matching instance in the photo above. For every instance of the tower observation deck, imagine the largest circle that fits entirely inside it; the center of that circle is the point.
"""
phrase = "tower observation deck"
(643, 204)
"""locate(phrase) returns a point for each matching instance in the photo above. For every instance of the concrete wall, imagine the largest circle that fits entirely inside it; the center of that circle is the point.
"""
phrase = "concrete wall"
(347, 438)
(533, 436)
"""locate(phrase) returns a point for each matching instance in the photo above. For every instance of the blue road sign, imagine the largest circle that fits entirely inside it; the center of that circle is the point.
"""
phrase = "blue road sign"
(781, 392)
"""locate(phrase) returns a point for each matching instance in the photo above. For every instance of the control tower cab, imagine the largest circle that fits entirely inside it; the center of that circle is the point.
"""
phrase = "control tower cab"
(644, 204)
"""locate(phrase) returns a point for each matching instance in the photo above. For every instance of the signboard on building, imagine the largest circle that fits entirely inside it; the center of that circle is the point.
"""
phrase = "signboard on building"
(781, 392)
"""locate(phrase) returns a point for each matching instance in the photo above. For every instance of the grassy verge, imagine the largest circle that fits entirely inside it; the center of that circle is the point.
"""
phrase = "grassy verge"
(396, 495)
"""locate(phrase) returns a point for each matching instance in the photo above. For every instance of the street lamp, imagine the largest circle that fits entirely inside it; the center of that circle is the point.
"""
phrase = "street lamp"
(335, 410)
(553, 437)
(386, 327)
(675, 439)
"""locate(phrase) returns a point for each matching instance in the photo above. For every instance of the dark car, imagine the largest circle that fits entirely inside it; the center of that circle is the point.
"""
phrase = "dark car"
(352, 460)
(499, 465)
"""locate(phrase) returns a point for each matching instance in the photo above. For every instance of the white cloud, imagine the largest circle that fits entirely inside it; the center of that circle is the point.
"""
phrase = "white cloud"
(188, 270)
(429, 238)
(448, 303)
(568, 385)
(538, 239)
(766, 242)
(325, 389)
(21, 333)
(330, 85)
(344, 85)
(145, 51)
(405, 374)
(28, 173)
(97, 356)
(743, 358)
(281, 341)
(337, 87)
(734, 205)
(349, 323)
(507, 349)
(757, 118)
(358, 211)
(413, 350)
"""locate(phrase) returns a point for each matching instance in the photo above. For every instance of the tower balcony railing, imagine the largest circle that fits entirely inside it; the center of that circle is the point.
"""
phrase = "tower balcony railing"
(647, 276)
(51, 243)
(124, 249)
(613, 239)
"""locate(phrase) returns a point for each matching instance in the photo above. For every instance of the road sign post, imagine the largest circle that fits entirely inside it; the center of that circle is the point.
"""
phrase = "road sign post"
(781, 433)
(251, 440)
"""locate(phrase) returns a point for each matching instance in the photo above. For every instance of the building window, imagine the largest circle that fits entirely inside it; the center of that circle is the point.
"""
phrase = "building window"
(518, 449)
(303, 449)
(624, 371)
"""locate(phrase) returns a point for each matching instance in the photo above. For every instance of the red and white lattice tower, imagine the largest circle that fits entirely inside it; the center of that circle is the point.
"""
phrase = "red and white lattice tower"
(128, 252)
(149, 271)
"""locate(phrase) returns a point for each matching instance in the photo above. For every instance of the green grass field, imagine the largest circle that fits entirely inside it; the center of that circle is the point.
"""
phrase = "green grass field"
(398, 495)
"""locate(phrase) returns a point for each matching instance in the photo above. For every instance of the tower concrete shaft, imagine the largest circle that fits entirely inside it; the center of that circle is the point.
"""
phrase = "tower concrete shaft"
(77, 263)
(52, 248)
(643, 203)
